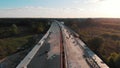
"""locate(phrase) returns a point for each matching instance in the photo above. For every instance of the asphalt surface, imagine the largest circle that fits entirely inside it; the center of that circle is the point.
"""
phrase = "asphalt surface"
(48, 56)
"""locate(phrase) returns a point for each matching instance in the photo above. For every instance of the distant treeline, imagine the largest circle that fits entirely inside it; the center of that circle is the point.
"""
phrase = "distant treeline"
(20, 21)
(19, 26)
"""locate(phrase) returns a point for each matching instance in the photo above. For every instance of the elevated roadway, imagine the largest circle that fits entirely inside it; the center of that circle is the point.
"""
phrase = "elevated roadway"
(60, 48)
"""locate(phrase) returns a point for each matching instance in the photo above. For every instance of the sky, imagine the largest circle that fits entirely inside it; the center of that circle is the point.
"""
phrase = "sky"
(60, 8)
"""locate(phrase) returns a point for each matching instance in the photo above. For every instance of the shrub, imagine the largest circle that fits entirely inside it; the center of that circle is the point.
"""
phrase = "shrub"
(14, 29)
(95, 43)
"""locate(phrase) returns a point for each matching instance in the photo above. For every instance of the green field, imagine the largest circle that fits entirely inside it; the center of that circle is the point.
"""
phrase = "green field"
(10, 45)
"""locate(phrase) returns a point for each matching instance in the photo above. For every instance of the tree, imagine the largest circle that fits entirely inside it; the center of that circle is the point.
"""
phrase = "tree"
(114, 60)
(111, 59)
(95, 43)
(14, 29)
(117, 61)
(39, 27)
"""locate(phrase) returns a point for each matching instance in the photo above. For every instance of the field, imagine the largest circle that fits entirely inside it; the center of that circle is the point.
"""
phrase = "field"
(10, 45)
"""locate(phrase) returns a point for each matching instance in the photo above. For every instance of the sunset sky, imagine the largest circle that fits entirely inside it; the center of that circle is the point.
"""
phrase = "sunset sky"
(60, 8)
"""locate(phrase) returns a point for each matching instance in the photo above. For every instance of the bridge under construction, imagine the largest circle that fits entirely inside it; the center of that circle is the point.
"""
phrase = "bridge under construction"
(61, 47)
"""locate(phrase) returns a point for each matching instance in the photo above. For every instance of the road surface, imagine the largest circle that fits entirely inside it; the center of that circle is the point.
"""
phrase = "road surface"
(48, 56)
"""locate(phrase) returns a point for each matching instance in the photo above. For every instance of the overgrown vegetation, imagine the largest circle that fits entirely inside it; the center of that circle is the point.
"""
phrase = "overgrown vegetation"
(9, 46)
(102, 36)
(14, 29)
(20, 34)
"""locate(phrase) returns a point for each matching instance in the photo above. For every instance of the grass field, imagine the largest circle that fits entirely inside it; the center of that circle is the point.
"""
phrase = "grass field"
(10, 45)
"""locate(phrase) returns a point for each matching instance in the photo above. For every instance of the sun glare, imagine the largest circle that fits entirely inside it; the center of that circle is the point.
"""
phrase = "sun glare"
(111, 7)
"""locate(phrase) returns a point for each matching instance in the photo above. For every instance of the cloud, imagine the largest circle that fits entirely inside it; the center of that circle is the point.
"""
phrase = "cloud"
(92, 1)
(31, 11)
(76, 1)
(101, 0)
